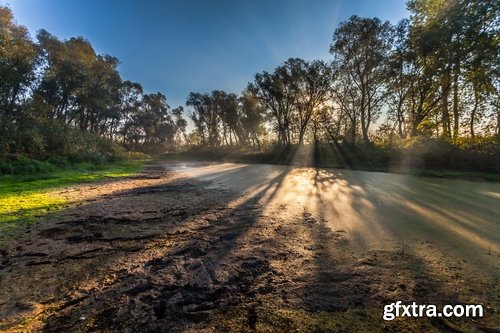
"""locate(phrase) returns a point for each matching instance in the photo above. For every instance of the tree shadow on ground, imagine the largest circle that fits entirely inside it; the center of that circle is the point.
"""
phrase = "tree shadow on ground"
(351, 290)
(161, 258)
(187, 255)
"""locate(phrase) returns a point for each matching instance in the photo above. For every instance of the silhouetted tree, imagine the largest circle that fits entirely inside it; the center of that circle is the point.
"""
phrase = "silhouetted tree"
(205, 118)
(252, 118)
(275, 91)
(361, 48)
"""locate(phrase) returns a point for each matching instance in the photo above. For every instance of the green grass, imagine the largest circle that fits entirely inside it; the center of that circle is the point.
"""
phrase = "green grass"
(24, 198)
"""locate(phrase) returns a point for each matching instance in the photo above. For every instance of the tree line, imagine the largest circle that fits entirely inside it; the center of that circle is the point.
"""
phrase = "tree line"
(434, 74)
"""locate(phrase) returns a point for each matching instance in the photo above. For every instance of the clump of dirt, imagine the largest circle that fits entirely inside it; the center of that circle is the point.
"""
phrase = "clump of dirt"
(161, 252)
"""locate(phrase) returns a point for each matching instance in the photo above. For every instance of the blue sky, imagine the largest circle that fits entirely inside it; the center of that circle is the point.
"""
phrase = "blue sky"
(180, 46)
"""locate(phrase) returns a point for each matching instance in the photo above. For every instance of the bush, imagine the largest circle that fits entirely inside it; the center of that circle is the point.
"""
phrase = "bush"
(464, 154)
(135, 155)
(481, 154)
(6, 168)
(55, 145)
(59, 161)
(76, 146)
(22, 165)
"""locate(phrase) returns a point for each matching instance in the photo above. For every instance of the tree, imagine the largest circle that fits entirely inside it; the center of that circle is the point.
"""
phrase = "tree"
(64, 74)
(226, 107)
(399, 79)
(252, 118)
(80, 86)
(276, 94)
(180, 125)
(18, 61)
(461, 38)
(361, 48)
(130, 102)
(310, 83)
(205, 118)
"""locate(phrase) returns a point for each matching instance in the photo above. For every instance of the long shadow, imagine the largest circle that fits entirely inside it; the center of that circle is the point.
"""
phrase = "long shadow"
(351, 290)
(467, 223)
(71, 232)
(352, 293)
(407, 208)
(171, 262)
(15, 221)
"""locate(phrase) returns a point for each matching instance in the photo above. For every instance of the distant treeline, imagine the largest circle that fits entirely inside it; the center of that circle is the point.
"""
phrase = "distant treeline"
(432, 77)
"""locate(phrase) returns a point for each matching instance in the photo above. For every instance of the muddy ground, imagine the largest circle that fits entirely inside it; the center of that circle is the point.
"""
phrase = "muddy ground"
(163, 252)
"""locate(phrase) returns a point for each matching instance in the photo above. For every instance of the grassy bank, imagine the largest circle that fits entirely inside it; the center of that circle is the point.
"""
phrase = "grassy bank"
(24, 197)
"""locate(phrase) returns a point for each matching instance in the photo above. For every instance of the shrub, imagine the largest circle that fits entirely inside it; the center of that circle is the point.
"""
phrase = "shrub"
(22, 165)
(135, 155)
(59, 161)
(464, 154)
(77, 146)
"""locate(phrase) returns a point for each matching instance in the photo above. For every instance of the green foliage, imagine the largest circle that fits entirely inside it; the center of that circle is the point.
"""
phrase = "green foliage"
(455, 174)
(59, 145)
(152, 125)
(360, 48)
(77, 145)
(467, 155)
(135, 155)
(420, 156)
(22, 165)
(292, 96)
(477, 142)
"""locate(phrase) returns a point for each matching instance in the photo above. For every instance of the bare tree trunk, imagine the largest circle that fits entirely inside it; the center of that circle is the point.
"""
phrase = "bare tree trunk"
(498, 122)
(364, 128)
(256, 138)
(353, 132)
(473, 113)
(417, 119)
(455, 105)
(302, 132)
(364, 125)
(446, 115)
(400, 118)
